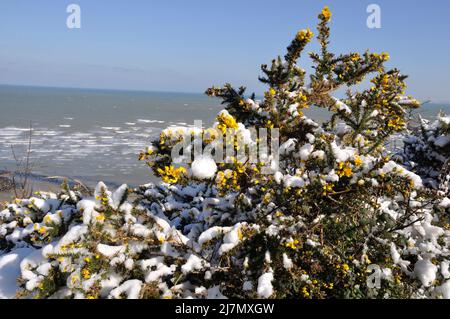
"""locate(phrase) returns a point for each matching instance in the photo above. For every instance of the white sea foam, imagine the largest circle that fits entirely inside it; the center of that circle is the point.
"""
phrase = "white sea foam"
(150, 121)
(12, 131)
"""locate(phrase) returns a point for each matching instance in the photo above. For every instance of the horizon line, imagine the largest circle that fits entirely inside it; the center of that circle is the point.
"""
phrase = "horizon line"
(97, 89)
(144, 91)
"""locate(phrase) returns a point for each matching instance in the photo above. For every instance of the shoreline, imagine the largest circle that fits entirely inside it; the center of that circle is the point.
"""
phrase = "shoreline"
(36, 182)
(8, 195)
(40, 183)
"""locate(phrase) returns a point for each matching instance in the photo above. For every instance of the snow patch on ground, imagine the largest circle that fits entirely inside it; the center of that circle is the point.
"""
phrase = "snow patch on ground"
(10, 271)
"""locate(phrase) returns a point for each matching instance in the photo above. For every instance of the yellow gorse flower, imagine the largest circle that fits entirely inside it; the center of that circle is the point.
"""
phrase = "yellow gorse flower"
(148, 152)
(326, 13)
(226, 121)
(305, 292)
(267, 198)
(304, 35)
(226, 180)
(292, 244)
(328, 286)
(239, 233)
(355, 57)
(358, 161)
(171, 174)
(327, 189)
(396, 123)
(240, 167)
(86, 273)
(344, 169)
(385, 56)
(385, 81)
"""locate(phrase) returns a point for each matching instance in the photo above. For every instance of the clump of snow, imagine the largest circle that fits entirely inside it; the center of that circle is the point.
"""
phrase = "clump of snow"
(392, 167)
(110, 251)
(203, 167)
(212, 233)
(288, 146)
(341, 106)
(293, 181)
(10, 271)
(445, 202)
(265, 288)
(231, 239)
(87, 208)
(75, 233)
(278, 177)
(287, 262)
(396, 257)
(320, 155)
(32, 260)
(119, 195)
(305, 151)
(444, 119)
(192, 264)
(425, 271)
(444, 290)
(445, 271)
(155, 268)
(342, 154)
(130, 288)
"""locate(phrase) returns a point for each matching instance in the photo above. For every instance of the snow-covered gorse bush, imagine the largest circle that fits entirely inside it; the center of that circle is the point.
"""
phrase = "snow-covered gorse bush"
(335, 206)
(427, 152)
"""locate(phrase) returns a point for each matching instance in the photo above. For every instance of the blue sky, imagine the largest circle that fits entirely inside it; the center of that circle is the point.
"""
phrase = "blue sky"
(188, 46)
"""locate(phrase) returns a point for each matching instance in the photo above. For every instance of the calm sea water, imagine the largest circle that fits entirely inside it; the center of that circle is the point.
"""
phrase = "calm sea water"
(92, 134)
(97, 134)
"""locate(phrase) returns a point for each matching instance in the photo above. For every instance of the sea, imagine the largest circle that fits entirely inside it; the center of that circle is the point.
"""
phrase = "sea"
(96, 135)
